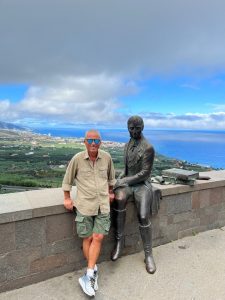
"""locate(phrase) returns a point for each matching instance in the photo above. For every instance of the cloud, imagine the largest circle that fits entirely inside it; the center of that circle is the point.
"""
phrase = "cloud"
(94, 100)
(79, 57)
(217, 107)
(186, 121)
(73, 100)
(190, 86)
(47, 38)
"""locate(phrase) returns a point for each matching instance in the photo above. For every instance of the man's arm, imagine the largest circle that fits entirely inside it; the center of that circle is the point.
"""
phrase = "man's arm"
(67, 183)
(68, 202)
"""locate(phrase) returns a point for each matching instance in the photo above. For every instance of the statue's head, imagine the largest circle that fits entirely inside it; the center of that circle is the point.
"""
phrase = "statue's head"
(135, 125)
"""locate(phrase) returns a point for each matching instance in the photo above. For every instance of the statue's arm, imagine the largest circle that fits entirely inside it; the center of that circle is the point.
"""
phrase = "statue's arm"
(144, 174)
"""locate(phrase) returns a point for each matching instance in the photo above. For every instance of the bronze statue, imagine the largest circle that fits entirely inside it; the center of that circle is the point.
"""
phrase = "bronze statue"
(135, 183)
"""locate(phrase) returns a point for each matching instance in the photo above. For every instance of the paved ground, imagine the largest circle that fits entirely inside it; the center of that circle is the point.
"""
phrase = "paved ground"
(192, 268)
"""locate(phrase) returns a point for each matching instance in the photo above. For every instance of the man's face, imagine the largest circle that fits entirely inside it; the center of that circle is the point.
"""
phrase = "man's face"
(92, 143)
(135, 130)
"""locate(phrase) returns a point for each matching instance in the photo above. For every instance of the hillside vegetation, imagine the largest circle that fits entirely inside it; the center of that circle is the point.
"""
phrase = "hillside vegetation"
(33, 160)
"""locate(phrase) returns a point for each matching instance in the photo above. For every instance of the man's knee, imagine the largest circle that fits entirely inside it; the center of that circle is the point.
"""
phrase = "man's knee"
(88, 239)
(98, 237)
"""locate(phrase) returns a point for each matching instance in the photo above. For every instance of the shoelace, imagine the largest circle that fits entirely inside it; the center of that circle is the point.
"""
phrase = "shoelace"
(92, 280)
(95, 274)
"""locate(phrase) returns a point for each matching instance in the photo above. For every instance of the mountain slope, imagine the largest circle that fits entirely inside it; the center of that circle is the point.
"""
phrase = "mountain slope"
(4, 125)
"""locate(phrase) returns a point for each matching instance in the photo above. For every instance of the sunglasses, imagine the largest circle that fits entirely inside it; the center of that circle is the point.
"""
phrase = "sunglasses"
(90, 141)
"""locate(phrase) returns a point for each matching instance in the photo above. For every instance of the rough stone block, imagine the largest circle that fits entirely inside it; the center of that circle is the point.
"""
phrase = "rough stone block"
(156, 232)
(221, 216)
(30, 233)
(216, 195)
(7, 237)
(178, 203)
(3, 269)
(187, 232)
(131, 212)
(207, 218)
(223, 195)
(131, 228)
(62, 246)
(107, 248)
(133, 244)
(163, 207)
(17, 263)
(59, 227)
(185, 216)
(76, 256)
(155, 228)
(183, 225)
(163, 220)
(204, 198)
(169, 233)
(131, 240)
(195, 200)
(48, 263)
(170, 219)
(33, 278)
(157, 242)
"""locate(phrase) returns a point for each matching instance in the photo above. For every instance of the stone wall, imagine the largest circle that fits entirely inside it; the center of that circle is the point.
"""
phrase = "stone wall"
(38, 239)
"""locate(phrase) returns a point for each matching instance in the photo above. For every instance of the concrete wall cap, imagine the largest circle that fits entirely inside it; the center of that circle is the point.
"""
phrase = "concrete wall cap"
(37, 203)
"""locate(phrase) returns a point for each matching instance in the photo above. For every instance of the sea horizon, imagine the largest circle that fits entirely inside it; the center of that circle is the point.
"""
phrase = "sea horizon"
(204, 147)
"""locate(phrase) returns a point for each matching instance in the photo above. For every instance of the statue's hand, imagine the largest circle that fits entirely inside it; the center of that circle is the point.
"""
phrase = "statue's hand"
(120, 183)
(121, 175)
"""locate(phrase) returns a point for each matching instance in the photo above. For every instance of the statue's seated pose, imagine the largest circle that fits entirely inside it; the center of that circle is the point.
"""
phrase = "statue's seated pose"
(135, 183)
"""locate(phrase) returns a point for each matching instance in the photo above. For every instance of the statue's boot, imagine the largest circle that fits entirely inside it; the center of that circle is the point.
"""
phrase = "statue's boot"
(119, 223)
(146, 235)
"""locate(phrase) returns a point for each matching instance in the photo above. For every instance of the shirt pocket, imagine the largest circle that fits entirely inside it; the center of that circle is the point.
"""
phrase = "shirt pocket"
(85, 173)
(103, 173)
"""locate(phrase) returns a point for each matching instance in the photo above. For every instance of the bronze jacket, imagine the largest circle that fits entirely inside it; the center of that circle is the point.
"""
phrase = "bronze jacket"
(138, 160)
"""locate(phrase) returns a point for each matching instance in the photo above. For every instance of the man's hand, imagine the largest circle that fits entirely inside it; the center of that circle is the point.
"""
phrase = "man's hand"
(68, 203)
(120, 183)
(111, 196)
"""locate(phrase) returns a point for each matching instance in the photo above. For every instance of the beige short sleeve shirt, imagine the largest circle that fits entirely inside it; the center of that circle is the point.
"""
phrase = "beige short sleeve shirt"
(92, 182)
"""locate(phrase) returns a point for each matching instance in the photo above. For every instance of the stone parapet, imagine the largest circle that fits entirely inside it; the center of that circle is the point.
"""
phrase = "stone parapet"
(38, 239)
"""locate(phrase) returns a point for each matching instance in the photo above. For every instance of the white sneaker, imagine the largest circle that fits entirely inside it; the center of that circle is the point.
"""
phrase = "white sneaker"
(96, 280)
(87, 284)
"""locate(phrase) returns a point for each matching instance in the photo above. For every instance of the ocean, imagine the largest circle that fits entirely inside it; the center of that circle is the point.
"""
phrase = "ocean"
(206, 148)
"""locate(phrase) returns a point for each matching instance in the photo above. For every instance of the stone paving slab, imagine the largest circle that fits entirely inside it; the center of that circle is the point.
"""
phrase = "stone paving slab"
(192, 268)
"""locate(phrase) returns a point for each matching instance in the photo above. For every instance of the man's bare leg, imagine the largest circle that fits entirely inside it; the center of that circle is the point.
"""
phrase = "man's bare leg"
(94, 249)
(86, 245)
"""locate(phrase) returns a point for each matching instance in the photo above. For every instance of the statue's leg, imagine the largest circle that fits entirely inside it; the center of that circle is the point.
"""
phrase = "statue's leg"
(143, 197)
(119, 217)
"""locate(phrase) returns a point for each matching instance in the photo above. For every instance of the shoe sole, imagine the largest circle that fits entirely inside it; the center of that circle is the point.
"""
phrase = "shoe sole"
(96, 283)
(96, 287)
(83, 288)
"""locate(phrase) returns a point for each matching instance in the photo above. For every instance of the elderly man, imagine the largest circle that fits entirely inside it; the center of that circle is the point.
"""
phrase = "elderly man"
(135, 183)
(94, 175)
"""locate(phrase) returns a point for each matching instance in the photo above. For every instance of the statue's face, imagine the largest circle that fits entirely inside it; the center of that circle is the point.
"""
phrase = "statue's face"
(135, 130)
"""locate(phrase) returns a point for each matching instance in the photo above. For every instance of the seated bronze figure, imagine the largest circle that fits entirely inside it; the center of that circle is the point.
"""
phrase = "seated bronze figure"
(135, 183)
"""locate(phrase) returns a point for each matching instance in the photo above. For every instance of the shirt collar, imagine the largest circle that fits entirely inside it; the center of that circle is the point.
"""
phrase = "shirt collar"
(86, 156)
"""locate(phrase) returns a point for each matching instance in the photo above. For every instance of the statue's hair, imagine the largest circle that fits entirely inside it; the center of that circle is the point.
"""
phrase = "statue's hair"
(136, 120)
(93, 130)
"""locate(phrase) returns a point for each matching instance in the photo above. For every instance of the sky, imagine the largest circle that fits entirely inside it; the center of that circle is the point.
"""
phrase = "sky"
(75, 63)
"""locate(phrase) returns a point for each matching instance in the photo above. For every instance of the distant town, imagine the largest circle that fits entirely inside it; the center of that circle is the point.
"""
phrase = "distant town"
(32, 161)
